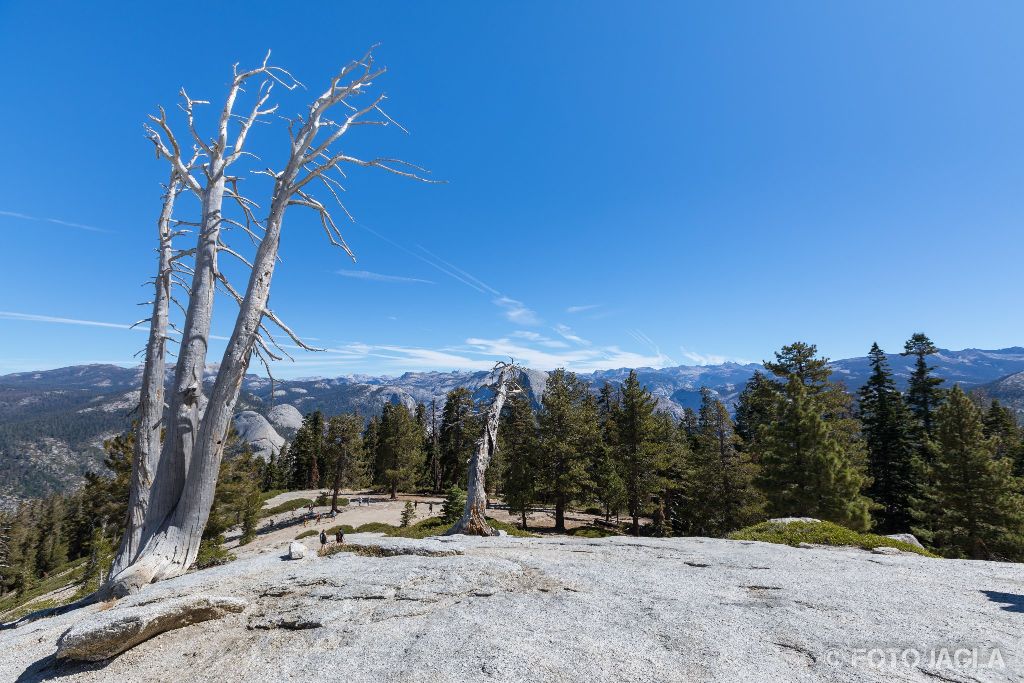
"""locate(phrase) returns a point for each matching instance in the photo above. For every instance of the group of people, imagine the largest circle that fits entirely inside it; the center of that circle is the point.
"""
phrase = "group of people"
(339, 537)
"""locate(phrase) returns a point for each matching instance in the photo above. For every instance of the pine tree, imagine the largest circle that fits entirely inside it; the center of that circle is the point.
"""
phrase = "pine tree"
(569, 436)
(453, 505)
(755, 407)
(518, 440)
(400, 449)
(923, 392)
(639, 455)
(458, 436)
(888, 433)
(371, 450)
(344, 453)
(719, 495)
(805, 469)
(408, 514)
(1001, 424)
(977, 500)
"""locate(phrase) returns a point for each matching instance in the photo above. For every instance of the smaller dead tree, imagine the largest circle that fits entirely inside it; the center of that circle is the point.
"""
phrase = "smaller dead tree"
(474, 521)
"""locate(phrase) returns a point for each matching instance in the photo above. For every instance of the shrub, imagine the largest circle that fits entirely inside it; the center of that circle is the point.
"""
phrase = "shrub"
(408, 514)
(342, 502)
(286, 506)
(453, 505)
(307, 534)
(375, 527)
(594, 511)
(593, 532)
(820, 533)
(347, 528)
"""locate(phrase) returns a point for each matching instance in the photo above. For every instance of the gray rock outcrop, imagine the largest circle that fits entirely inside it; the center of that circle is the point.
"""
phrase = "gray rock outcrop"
(906, 538)
(297, 551)
(254, 429)
(109, 633)
(285, 418)
(564, 609)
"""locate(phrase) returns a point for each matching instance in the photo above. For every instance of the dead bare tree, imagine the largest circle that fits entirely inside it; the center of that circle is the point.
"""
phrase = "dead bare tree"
(474, 521)
(186, 474)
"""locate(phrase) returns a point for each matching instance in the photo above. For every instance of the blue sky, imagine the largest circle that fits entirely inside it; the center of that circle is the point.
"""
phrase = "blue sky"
(646, 183)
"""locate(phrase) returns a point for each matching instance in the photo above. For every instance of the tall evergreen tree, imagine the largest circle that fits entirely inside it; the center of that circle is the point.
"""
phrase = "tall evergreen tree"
(805, 468)
(924, 394)
(719, 495)
(518, 439)
(458, 436)
(755, 406)
(888, 433)
(344, 451)
(977, 500)
(400, 449)
(1001, 424)
(307, 452)
(570, 436)
(640, 456)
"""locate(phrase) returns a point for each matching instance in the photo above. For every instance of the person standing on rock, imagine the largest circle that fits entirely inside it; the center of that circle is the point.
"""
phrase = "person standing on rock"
(323, 539)
(340, 537)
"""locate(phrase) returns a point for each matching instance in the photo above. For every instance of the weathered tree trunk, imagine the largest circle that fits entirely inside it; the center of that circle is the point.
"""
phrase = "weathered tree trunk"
(186, 477)
(559, 515)
(151, 393)
(524, 519)
(474, 520)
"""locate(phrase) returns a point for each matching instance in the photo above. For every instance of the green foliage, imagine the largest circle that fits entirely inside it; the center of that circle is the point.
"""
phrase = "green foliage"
(399, 450)
(374, 527)
(718, 494)
(518, 441)
(593, 532)
(976, 503)
(819, 533)
(287, 506)
(307, 453)
(924, 394)
(570, 437)
(408, 514)
(345, 528)
(888, 430)
(453, 506)
(459, 432)
(810, 454)
(237, 501)
(639, 455)
(307, 534)
(345, 458)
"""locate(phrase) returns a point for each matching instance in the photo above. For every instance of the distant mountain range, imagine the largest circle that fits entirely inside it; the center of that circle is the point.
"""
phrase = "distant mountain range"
(53, 422)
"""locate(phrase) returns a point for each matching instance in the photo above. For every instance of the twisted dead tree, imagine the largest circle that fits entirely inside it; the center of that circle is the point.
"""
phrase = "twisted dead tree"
(474, 521)
(185, 477)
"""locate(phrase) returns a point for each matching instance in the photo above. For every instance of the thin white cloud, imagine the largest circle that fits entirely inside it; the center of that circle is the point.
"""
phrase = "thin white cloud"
(380, 277)
(56, 221)
(538, 338)
(581, 309)
(32, 317)
(708, 358)
(647, 341)
(516, 311)
(566, 332)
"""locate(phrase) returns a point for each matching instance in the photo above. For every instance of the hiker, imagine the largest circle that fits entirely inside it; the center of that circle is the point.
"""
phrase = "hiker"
(334, 513)
(340, 537)
(319, 516)
(304, 520)
(430, 508)
(323, 538)
(415, 503)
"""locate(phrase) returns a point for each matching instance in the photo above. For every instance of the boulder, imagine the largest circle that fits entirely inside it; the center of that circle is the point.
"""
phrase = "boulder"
(906, 538)
(297, 551)
(107, 634)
